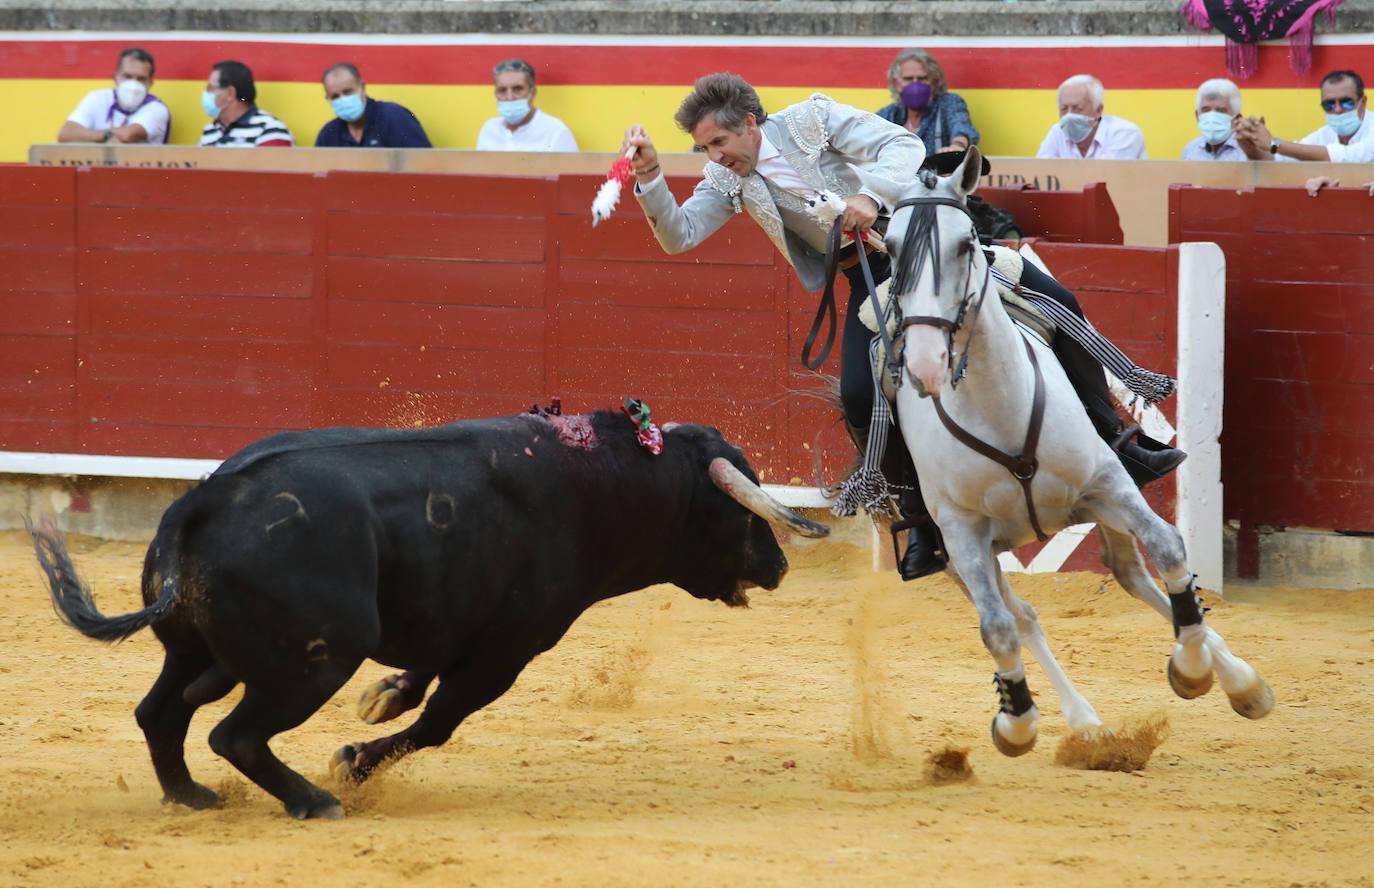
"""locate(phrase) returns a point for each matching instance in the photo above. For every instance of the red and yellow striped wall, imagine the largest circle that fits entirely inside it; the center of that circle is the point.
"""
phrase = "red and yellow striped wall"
(598, 86)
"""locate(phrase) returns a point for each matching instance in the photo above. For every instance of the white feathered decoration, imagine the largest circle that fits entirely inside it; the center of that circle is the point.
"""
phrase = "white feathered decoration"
(608, 195)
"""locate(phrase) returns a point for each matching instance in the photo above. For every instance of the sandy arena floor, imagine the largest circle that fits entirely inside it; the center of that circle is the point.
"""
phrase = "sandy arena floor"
(668, 741)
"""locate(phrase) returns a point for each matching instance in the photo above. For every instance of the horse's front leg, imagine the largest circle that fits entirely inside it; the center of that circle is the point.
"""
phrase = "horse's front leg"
(969, 546)
(1078, 712)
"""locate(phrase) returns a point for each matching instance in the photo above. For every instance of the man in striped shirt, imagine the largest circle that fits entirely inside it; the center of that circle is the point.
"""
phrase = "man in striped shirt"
(235, 122)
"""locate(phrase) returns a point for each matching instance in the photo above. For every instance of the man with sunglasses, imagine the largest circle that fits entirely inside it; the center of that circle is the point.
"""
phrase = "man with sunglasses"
(1348, 136)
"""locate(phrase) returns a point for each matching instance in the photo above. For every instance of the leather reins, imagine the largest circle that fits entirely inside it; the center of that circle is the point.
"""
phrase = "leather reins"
(1024, 466)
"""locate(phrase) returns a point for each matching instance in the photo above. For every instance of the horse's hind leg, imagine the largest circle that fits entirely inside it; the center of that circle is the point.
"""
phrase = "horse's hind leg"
(1198, 649)
(164, 715)
(1078, 712)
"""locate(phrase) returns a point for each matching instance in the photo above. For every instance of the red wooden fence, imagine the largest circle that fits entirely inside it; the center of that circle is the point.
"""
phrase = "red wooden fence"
(1298, 443)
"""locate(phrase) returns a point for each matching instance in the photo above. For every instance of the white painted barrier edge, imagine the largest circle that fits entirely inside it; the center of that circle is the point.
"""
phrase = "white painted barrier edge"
(19, 463)
(1201, 375)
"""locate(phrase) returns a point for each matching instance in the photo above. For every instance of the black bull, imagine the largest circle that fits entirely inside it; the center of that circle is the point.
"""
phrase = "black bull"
(459, 553)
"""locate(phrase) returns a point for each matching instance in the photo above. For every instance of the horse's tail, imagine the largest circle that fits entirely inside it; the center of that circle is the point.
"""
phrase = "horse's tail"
(71, 598)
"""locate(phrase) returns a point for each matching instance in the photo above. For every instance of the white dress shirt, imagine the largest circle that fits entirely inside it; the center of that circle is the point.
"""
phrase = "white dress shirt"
(98, 111)
(1359, 150)
(1114, 138)
(544, 132)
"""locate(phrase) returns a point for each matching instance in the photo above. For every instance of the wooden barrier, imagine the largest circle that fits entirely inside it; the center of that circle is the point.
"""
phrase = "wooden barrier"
(1299, 408)
(1139, 189)
(184, 313)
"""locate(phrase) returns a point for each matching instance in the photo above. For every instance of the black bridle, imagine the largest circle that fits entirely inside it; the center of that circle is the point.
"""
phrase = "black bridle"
(1023, 466)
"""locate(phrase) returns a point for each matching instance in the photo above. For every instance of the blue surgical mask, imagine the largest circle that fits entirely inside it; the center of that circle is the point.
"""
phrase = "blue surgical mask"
(349, 107)
(207, 104)
(513, 111)
(1344, 124)
(1215, 126)
(1077, 126)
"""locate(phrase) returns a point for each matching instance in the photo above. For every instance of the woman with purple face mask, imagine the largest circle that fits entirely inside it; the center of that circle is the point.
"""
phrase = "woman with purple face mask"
(924, 105)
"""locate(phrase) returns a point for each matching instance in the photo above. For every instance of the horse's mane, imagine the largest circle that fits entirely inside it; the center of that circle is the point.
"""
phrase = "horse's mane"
(918, 241)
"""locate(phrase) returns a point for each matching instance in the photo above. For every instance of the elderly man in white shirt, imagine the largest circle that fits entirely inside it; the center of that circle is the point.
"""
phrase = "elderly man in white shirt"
(1217, 111)
(519, 126)
(1084, 131)
(1347, 137)
(126, 113)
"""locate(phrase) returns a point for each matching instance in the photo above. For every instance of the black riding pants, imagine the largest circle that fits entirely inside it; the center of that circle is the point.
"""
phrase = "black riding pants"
(1083, 370)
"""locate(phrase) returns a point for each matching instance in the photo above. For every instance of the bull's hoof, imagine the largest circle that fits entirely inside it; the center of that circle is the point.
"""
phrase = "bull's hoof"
(382, 701)
(1189, 688)
(1012, 748)
(343, 765)
(1256, 701)
(194, 796)
(326, 808)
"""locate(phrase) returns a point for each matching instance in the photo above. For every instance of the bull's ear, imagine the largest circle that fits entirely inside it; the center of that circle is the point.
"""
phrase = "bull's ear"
(970, 171)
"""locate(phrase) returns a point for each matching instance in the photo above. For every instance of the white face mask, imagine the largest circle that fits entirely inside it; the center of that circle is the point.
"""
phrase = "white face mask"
(1077, 126)
(129, 95)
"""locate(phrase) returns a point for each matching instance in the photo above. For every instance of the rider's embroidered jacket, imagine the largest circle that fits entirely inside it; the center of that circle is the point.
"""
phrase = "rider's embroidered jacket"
(819, 138)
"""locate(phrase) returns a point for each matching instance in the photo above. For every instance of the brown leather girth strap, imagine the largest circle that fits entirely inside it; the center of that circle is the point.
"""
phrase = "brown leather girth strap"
(1023, 467)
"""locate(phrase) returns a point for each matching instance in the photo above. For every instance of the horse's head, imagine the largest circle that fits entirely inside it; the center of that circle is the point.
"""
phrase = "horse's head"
(937, 267)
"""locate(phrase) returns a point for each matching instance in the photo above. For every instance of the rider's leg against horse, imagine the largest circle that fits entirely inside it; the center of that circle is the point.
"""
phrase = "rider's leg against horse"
(922, 555)
(1090, 383)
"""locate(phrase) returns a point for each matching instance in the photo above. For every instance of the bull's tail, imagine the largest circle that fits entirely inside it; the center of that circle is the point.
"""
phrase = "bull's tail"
(71, 598)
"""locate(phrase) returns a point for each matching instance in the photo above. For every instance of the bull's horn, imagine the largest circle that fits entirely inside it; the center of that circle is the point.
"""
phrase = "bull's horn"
(748, 494)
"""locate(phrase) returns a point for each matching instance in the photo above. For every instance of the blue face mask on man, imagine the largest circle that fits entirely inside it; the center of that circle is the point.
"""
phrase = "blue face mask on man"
(1344, 125)
(207, 104)
(1215, 126)
(513, 111)
(349, 107)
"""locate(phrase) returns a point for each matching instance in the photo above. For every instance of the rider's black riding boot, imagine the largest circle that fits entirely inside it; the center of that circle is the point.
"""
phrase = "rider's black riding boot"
(1145, 459)
(924, 553)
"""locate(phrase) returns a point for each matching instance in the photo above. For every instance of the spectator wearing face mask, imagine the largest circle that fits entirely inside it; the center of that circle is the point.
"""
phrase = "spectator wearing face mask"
(362, 121)
(1084, 131)
(519, 125)
(235, 121)
(1217, 111)
(924, 105)
(126, 113)
(1347, 137)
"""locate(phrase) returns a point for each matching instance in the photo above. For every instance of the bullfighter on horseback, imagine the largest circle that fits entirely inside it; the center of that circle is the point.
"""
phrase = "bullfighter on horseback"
(784, 169)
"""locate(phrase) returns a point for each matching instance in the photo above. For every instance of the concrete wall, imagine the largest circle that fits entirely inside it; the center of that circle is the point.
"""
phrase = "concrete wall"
(799, 18)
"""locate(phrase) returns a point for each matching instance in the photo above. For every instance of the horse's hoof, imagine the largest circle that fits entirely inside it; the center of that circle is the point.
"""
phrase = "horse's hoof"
(382, 701)
(328, 808)
(195, 796)
(1009, 748)
(1189, 688)
(1256, 701)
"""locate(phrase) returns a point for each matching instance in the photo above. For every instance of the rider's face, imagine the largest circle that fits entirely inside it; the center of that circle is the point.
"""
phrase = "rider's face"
(736, 151)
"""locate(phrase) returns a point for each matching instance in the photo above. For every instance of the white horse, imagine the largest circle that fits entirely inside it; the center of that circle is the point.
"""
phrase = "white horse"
(985, 502)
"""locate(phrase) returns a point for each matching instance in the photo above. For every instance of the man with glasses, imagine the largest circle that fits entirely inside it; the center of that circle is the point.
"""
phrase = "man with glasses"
(1347, 137)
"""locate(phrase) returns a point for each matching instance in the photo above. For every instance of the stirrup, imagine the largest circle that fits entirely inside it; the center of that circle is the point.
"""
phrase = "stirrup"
(897, 527)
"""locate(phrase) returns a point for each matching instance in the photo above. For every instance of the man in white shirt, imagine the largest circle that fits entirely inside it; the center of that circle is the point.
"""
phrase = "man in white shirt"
(126, 113)
(519, 125)
(1217, 111)
(1084, 131)
(1347, 137)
